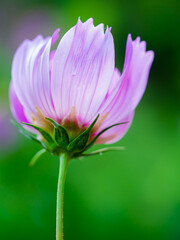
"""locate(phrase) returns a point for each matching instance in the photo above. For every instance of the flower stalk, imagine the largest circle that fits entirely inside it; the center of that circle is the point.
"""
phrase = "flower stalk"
(64, 160)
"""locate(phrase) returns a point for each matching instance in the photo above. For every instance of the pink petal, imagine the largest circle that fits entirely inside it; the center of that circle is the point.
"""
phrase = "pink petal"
(116, 133)
(42, 77)
(82, 70)
(55, 36)
(112, 91)
(116, 80)
(132, 82)
(16, 107)
(30, 74)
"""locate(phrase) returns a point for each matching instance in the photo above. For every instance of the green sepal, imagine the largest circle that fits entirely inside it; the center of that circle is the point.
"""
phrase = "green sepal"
(79, 143)
(60, 133)
(59, 140)
(25, 132)
(54, 123)
(104, 130)
(45, 134)
(100, 151)
(61, 136)
(36, 157)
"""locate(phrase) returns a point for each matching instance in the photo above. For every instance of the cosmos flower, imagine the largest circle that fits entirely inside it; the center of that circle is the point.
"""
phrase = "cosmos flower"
(72, 97)
(72, 85)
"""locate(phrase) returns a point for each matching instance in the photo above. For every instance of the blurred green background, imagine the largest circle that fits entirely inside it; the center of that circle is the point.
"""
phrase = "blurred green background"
(132, 194)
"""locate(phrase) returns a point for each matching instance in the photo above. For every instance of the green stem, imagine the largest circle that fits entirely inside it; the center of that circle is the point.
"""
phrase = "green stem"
(64, 160)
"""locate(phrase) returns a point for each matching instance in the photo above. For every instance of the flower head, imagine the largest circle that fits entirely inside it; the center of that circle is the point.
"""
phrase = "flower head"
(71, 95)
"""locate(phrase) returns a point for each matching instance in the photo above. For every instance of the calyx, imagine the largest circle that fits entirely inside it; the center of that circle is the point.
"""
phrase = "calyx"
(60, 140)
